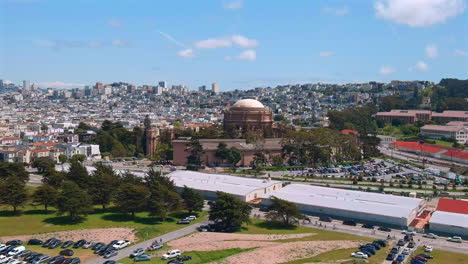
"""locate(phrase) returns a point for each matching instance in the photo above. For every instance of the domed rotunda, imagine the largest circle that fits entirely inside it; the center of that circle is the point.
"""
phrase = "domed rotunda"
(248, 115)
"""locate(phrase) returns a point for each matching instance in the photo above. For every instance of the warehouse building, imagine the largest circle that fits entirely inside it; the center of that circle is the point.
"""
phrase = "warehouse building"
(364, 206)
(450, 217)
(245, 189)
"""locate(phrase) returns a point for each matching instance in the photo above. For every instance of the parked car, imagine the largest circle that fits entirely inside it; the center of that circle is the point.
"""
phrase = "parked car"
(401, 242)
(406, 251)
(97, 245)
(349, 222)
(390, 256)
(24, 254)
(428, 249)
(411, 244)
(16, 242)
(154, 246)
(89, 244)
(32, 256)
(40, 259)
(325, 219)
(381, 242)
(400, 257)
(359, 255)
(67, 244)
(191, 217)
(430, 235)
(143, 257)
(420, 258)
(183, 222)
(385, 229)
(184, 258)
(171, 254)
(74, 261)
(111, 254)
(67, 252)
(137, 252)
(47, 242)
(55, 243)
(79, 243)
(407, 232)
(16, 251)
(56, 260)
(121, 244)
(368, 226)
(455, 239)
(395, 249)
(415, 261)
(34, 241)
(110, 262)
(426, 256)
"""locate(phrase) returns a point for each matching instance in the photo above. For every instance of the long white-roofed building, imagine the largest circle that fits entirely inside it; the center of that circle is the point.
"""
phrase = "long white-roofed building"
(245, 189)
(366, 206)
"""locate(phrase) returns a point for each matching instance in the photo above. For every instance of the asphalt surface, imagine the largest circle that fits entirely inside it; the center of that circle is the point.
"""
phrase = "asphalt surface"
(125, 252)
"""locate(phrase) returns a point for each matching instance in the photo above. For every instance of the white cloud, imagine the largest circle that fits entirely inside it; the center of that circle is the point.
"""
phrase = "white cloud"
(186, 53)
(59, 84)
(213, 43)
(422, 66)
(237, 4)
(431, 51)
(114, 22)
(224, 42)
(228, 58)
(249, 55)
(244, 42)
(326, 53)
(460, 53)
(119, 43)
(386, 70)
(338, 11)
(418, 13)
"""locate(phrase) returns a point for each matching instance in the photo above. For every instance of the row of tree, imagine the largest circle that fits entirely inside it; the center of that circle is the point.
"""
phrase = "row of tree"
(76, 192)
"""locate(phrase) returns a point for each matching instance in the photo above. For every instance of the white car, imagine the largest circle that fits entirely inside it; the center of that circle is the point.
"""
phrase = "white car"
(427, 249)
(430, 235)
(171, 254)
(406, 251)
(16, 251)
(359, 255)
(191, 218)
(6, 259)
(407, 232)
(121, 244)
(455, 239)
(2, 247)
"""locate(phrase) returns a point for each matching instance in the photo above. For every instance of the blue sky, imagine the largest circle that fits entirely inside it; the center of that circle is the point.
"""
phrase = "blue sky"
(239, 44)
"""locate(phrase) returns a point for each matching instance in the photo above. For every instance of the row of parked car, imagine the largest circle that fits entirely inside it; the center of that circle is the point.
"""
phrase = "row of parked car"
(368, 250)
(187, 220)
(13, 251)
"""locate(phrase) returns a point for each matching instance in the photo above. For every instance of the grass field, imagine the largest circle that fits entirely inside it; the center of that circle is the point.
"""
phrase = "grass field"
(444, 257)
(33, 221)
(198, 257)
(264, 227)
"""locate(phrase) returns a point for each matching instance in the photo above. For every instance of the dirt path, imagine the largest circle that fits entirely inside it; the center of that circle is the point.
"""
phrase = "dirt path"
(99, 234)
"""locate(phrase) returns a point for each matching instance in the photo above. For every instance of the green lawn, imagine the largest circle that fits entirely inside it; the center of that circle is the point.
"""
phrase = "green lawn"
(34, 221)
(198, 257)
(443, 257)
(443, 143)
(264, 227)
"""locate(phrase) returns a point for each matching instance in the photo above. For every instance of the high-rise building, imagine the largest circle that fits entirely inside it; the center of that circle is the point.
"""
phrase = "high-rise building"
(1, 84)
(215, 88)
(26, 85)
(202, 88)
(163, 84)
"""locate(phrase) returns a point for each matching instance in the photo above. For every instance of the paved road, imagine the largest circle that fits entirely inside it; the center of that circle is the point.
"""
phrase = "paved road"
(165, 238)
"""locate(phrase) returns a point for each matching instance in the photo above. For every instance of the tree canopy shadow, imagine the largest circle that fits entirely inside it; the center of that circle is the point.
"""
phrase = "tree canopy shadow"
(271, 225)
(64, 220)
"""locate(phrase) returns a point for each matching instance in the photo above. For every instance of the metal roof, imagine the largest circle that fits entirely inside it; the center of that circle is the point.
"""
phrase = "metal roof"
(449, 219)
(219, 182)
(348, 200)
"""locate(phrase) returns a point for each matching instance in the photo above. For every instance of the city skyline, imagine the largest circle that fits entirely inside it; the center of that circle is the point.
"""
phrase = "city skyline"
(55, 44)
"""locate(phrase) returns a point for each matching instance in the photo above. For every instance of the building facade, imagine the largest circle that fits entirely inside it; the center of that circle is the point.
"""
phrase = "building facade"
(248, 115)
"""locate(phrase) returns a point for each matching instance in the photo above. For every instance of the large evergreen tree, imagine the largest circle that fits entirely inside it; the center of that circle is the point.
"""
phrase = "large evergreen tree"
(132, 198)
(13, 192)
(43, 163)
(193, 200)
(283, 211)
(45, 195)
(17, 170)
(74, 201)
(78, 174)
(103, 184)
(229, 213)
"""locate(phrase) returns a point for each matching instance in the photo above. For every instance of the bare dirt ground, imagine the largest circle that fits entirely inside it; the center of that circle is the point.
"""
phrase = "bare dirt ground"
(99, 234)
(269, 250)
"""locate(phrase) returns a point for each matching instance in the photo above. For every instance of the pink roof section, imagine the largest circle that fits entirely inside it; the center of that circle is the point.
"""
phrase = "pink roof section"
(394, 114)
(452, 114)
(442, 128)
